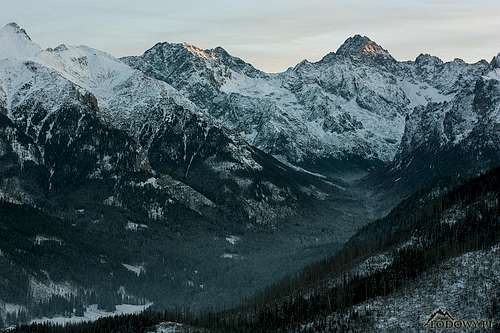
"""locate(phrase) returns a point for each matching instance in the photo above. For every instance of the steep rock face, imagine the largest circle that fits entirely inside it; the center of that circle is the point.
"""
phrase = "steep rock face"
(22, 175)
(351, 105)
(495, 63)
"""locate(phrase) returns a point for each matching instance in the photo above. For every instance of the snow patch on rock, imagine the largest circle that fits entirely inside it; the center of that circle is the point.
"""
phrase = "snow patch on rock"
(136, 269)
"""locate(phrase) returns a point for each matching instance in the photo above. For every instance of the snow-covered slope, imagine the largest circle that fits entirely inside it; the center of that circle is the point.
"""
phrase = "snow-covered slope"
(125, 96)
(456, 137)
(464, 286)
(16, 43)
(438, 249)
(27, 83)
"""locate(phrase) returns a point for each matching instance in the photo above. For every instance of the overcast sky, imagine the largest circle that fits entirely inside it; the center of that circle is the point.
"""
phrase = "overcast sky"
(271, 34)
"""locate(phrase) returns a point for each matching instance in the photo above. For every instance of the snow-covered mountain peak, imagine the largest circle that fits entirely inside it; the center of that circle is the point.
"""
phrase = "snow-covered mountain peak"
(14, 28)
(361, 45)
(15, 43)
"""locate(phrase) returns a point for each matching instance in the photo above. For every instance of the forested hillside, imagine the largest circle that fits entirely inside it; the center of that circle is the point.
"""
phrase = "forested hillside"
(384, 258)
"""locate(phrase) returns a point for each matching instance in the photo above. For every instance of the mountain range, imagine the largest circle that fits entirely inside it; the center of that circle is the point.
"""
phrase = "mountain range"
(168, 168)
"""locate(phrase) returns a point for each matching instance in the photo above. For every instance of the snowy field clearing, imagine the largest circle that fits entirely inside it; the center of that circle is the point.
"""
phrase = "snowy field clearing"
(93, 313)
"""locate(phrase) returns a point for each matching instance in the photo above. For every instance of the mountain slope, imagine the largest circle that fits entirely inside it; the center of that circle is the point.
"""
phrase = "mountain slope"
(349, 107)
(429, 241)
(167, 137)
(21, 168)
(451, 139)
(164, 163)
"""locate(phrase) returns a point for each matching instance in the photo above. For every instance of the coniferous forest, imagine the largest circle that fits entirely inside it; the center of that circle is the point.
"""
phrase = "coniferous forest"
(308, 297)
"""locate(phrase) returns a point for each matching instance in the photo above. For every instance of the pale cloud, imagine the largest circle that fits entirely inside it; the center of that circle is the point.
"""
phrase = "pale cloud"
(272, 34)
